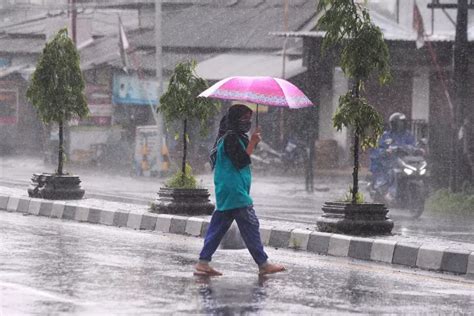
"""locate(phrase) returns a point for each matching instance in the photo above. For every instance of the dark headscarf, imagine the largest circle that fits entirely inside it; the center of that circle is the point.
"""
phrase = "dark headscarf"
(230, 123)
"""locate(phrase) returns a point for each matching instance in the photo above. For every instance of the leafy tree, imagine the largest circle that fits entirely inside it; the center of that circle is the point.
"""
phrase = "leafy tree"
(362, 52)
(181, 103)
(56, 89)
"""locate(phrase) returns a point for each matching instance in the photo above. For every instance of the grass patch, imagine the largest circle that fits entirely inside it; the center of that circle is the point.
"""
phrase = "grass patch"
(445, 202)
(360, 199)
(180, 181)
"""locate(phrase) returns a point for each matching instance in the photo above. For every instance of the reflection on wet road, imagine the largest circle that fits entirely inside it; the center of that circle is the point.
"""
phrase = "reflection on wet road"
(51, 266)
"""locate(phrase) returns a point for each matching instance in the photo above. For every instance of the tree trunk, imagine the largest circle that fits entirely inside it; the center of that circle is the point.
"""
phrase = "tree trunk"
(61, 149)
(355, 173)
(185, 145)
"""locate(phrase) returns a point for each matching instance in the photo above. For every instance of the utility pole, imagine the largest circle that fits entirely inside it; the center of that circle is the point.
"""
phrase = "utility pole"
(461, 85)
(73, 11)
(159, 78)
(74, 21)
(283, 70)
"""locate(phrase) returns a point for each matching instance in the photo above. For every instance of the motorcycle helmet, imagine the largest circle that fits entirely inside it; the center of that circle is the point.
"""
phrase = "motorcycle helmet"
(398, 122)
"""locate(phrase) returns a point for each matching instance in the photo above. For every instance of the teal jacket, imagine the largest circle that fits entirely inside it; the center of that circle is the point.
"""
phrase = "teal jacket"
(232, 185)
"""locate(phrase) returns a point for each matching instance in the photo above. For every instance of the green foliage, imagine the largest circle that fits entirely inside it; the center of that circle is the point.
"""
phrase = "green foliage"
(180, 101)
(445, 202)
(180, 181)
(356, 112)
(57, 85)
(363, 50)
(359, 197)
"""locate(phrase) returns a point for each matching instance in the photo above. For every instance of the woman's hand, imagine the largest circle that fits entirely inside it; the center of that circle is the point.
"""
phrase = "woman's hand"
(254, 140)
(256, 137)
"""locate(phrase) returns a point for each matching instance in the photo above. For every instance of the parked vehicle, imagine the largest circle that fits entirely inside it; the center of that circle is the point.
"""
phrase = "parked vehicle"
(295, 154)
(265, 158)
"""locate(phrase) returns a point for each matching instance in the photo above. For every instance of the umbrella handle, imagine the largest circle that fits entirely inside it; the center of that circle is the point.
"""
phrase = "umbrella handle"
(256, 118)
(256, 122)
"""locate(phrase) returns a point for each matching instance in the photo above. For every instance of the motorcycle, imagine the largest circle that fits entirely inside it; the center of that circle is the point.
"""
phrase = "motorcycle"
(295, 155)
(405, 184)
(265, 157)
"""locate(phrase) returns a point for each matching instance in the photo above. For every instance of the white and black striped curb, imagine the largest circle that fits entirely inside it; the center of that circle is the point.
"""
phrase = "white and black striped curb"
(379, 250)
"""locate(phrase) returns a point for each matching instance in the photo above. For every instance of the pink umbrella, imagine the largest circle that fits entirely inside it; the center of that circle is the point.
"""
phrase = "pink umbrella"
(260, 90)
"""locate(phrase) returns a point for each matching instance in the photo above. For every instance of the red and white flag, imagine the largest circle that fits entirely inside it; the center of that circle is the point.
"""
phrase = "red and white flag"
(418, 26)
(123, 46)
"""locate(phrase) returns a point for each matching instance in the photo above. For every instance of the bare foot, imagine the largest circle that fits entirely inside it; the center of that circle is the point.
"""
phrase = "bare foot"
(271, 268)
(202, 269)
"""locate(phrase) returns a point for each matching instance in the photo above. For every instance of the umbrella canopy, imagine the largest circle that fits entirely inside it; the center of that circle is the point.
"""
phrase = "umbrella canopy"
(260, 90)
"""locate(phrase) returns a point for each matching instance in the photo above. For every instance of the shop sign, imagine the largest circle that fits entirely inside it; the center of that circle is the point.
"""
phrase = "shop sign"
(5, 63)
(98, 94)
(8, 107)
(99, 114)
(132, 90)
(146, 151)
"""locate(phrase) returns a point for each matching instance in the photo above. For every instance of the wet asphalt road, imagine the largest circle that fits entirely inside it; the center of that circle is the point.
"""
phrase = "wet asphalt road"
(50, 266)
(279, 198)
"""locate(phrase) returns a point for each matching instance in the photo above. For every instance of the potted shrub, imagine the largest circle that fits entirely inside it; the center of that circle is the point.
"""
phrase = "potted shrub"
(180, 103)
(57, 92)
(362, 52)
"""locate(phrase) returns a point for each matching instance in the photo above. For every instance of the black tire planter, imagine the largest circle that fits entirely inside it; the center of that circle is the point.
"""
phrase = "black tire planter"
(55, 187)
(355, 219)
(183, 201)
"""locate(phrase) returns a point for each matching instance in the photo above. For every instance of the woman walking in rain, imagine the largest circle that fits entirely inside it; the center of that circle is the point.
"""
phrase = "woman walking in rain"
(230, 159)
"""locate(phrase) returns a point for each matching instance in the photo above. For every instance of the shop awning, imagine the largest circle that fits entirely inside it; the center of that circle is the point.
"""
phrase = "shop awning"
(228, 65)
(12, 69)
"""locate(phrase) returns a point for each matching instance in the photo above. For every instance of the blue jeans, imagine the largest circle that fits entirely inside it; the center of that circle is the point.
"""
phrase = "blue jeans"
(248, 225)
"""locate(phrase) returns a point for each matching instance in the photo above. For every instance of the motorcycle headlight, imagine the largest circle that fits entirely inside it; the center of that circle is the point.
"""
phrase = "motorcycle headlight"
(422, 171)
(408, 171)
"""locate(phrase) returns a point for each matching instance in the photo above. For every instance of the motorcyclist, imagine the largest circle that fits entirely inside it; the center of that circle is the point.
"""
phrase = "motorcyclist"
(381, 159)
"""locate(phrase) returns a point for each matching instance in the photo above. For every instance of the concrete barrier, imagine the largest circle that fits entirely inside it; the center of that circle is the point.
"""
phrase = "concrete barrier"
(12, 204)
(299, 239)
(406, 254)
(279, 238)
(265, 232)
(360, 248)
(23, 205)
(457, 261)
(148, 222)
(382, 250)
(339, 245)
(163, 223)
(178, 225)
(194, 226)
(134, 221)
(318, 242)
(429, 257)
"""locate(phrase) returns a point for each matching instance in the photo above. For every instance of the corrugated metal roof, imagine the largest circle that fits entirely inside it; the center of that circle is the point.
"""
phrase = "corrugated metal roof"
(21, 45)
(394, 31)
(6, 71)
(238, 27)
(228, 65)
(241, 25)
(148, 61)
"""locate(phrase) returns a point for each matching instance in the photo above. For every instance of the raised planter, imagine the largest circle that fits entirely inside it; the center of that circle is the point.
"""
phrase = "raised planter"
(183, 201)
(55, 187)
(355, 219)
